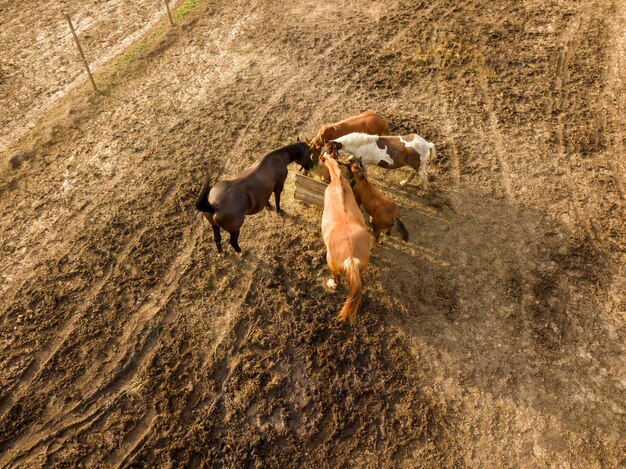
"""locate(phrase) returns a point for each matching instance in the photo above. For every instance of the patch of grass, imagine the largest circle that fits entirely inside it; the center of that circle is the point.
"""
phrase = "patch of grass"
(184, 9)
(83, 101)
(143, 45)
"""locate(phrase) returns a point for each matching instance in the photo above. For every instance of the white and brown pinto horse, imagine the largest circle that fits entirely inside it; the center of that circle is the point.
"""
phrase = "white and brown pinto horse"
(367, 122)
(346, 238)
(389, 152)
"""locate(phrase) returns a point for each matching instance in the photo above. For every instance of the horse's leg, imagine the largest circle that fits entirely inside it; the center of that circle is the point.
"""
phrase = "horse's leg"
(377, 232)
(217, 236)
(423, 174)
(333, 282)
(277, 190)
(410, 178)
(377, 229)
(416, 162)
(419, 165)
(234, 241)
(277, 199)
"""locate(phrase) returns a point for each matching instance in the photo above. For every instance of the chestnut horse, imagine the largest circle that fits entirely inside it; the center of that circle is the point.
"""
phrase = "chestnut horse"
(389, 152)
(383, 212)
(366, 122)
(346, 238)
(249, 191)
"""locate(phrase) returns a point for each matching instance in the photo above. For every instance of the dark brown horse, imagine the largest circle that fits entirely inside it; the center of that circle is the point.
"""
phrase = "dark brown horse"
(249, 192)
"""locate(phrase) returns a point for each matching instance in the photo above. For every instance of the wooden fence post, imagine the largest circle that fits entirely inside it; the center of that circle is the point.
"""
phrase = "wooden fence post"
(80, 49)
(169, 13)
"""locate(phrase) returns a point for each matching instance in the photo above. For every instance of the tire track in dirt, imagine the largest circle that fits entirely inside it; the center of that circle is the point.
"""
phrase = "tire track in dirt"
(504, 167)
(49, 350)
(558, 105)
(19, 459)
(147, 310)
(26, 268)
(506, 174)
(615, 96)
(103, 399)
(34, 368)
(402, 32)
(448, 124)
(132, 441)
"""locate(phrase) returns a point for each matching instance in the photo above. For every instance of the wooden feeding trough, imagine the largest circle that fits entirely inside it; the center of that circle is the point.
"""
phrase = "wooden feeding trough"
(309, 190)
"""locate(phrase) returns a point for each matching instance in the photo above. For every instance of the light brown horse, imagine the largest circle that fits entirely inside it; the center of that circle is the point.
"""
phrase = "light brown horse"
(383, 212)
(346, 238)
(248, 192)
(389, 151)
(367, 122)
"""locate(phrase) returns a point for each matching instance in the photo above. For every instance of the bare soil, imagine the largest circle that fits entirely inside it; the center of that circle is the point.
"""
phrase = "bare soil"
(494, 338)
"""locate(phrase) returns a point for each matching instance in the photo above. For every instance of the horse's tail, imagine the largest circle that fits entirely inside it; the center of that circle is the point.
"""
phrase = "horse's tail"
(353, 301)
(404, 233)
(433, 151)
(202, 202)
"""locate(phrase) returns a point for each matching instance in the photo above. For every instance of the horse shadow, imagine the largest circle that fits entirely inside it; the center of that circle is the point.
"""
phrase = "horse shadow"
(504, 291)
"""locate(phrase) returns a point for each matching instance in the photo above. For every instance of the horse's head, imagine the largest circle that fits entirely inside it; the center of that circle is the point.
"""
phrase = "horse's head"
(332, 147)
(305, 140)
(303, 157)
(313, 147)
(328, 154)
(316, 148)
(357, 168)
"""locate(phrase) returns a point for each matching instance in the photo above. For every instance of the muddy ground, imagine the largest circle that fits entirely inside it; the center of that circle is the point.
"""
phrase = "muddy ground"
(494, 338)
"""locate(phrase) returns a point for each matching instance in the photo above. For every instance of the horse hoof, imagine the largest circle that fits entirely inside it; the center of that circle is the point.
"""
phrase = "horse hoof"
(330, 283)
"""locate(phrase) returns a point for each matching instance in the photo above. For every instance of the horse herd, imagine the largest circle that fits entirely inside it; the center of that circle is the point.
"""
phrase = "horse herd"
(366, 139)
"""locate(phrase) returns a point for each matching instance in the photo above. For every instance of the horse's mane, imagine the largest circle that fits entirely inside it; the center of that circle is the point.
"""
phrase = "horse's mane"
(291, 150)
(343, 203)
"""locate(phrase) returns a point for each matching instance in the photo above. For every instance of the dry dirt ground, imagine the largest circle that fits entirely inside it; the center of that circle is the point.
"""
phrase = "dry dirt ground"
(494, 338)
(38, 64)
